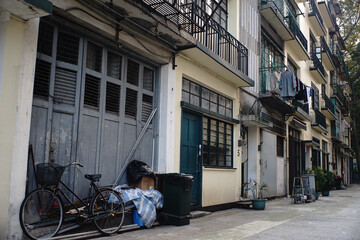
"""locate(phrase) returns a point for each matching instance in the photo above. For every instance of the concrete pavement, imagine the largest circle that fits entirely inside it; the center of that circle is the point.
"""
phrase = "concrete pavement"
(334, 217)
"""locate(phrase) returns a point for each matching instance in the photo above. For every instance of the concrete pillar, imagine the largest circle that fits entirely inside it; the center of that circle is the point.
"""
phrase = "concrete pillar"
(15, 106)
(253, 155)
(166, 116)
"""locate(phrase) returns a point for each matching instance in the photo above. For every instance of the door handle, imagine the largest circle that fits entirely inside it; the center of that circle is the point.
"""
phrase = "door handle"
(199, 153)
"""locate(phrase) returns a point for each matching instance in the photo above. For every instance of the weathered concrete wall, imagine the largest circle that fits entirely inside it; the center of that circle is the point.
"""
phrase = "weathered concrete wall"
(15, 105)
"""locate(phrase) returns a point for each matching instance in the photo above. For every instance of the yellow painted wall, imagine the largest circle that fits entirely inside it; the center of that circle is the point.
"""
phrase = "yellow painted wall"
(8, 110)
(306, 77)
(219, 185)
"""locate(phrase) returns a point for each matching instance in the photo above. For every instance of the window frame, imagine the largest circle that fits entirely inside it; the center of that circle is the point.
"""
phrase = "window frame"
(227, 138)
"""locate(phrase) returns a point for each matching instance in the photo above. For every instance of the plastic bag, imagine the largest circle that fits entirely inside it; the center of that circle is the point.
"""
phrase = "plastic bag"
(136, 170)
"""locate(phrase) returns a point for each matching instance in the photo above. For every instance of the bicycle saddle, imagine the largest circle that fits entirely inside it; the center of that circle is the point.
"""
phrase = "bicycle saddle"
(93, 177)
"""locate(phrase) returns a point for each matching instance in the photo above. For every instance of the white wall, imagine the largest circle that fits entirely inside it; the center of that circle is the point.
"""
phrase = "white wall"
(166, 114)
(15, 108)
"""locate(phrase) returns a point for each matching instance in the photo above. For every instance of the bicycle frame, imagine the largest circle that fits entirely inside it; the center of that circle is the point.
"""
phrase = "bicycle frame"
(58, 190)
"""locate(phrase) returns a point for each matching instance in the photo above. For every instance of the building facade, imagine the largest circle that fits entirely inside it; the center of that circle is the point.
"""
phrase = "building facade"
(197, 84)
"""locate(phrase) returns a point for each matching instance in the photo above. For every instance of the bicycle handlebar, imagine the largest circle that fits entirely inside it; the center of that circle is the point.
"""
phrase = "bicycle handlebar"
(74, 163)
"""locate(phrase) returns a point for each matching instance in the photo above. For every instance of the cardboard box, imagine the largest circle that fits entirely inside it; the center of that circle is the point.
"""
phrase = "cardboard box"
(146, 183)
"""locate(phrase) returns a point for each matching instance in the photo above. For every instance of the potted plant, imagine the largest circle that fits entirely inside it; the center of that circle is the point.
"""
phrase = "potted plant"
(258, 202)
(325, 181)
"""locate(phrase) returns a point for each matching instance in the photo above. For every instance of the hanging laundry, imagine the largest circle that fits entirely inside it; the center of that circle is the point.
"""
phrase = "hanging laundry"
(272, 81)
(301, 95)
(287, 85)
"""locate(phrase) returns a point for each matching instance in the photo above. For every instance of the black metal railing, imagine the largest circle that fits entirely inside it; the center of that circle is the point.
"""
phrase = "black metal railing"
(338, 92)
(218, 39)
(329, 104)
(320, 118)
(317, 64)
(314, 10)
(325, 47)
(304, 107)
(289, 18)
(196, 21)
(294, 26)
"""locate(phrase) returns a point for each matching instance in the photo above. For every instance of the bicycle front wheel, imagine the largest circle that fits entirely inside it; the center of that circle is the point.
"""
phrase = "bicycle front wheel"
(107, 208)
(41, 214)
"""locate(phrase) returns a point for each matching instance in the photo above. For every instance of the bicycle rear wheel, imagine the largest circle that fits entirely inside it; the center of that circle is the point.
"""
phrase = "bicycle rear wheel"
(107, 207)
(41, 214)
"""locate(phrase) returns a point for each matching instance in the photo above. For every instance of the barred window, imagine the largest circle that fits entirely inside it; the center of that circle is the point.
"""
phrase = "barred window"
(200, 96)
(217, 143)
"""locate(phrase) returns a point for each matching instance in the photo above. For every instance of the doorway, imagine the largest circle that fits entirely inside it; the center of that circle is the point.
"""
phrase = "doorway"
(191, 152)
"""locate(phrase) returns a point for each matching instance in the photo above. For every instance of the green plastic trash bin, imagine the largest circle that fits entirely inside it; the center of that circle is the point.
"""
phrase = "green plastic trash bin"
(177, 199)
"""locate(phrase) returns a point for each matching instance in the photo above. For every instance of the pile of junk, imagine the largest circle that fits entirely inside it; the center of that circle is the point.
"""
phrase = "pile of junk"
(156, 197)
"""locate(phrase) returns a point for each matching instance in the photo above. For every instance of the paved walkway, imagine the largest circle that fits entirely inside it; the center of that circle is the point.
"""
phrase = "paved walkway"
(334, 217)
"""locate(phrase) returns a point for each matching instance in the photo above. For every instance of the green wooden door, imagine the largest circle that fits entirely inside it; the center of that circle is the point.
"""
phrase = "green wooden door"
(190, 153)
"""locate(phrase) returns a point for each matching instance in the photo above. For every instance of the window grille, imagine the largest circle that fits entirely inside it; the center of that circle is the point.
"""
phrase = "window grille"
(94, 57)
(67, 48)
(202, 97)
(133, 73)
(42, 79)
(65, 86)
(45, 39)
(131, 103)
(217, 143)
(147, 107)
(112, 97)
(114, 65)
(148, 81)
(92, 91)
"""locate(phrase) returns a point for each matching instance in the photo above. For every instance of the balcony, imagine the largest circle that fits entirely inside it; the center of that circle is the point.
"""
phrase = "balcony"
(281, 17)
(328, 108)
(317, 69)
(344, 72)
(301, 110)
(315, 19)
(215, 47)
(336, 54)
(338, 94)
(325, 13)
(326, 55)
(320, 122)
(270, 95)
(335, 131)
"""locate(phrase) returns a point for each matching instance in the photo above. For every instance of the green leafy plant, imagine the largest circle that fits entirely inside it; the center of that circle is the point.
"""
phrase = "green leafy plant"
(253, 186)
(324, 179)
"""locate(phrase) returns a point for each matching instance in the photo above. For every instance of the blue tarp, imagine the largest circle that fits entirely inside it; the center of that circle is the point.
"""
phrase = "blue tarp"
(145, 201)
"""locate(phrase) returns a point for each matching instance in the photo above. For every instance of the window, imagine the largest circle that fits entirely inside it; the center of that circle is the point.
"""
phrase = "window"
(114, 65)
(202, 97)
(315, 97)
(280, 146)
(217, 143)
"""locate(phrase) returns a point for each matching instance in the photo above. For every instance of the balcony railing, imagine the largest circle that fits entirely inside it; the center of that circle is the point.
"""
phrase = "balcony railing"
(328, 104)
(304, 107)
(218, 39)
(325, 46)
(294, 26)
(196, 21)
(338, 92)
(320, 118)
(317, 64)
(336, 51)
(289, 17)
(335, 129)
(314, 9)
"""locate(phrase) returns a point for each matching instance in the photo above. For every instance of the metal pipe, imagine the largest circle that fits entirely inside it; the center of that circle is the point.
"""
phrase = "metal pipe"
(141, 135)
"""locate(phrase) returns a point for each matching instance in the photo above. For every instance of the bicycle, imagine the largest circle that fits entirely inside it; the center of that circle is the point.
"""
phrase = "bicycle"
(42, 212)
